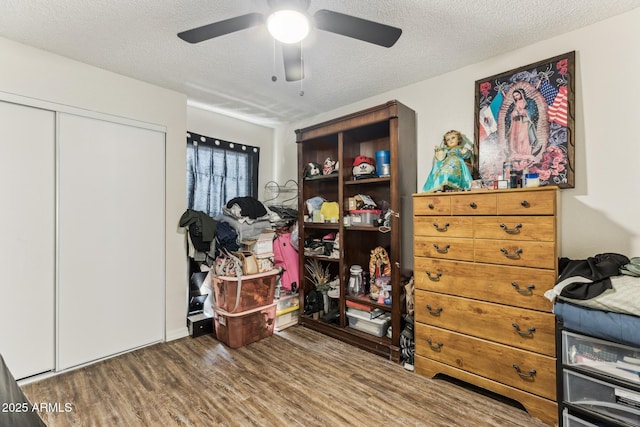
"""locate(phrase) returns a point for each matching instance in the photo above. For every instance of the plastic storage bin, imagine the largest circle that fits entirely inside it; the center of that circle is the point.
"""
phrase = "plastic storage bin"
(602, 356)
(286, 302)
(569, 420)
(287, 311)
(239, 329)
(287, 318)
(364, 216)
(602, 398)
(360, 321)
(250, 292)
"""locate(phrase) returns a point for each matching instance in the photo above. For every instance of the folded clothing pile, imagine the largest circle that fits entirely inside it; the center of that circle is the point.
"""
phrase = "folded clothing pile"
(247, 216)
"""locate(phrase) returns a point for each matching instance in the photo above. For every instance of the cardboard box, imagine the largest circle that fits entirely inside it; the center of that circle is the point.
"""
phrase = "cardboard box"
(239, 329)
(263, 244)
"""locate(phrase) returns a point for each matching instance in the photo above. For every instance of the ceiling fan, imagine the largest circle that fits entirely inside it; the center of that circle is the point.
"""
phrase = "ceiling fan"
(292, 34)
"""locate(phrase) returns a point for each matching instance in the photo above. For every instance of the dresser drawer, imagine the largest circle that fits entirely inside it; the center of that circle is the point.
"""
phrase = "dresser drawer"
(443, 226)
(516, 286)
(518, 368)
(431, 205)
(516, 252)
(535, 228)
(474, 204)
(443, 247)
(527, 203)
(518, 327)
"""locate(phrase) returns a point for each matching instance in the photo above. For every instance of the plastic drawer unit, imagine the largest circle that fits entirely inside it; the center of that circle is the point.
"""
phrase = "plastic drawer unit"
(602, 398)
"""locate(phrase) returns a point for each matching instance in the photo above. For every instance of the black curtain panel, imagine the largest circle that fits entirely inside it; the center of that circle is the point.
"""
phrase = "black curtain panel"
(218, 171)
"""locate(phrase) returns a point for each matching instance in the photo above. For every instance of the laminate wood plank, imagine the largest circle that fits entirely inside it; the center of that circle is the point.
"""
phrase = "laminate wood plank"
(297, 377)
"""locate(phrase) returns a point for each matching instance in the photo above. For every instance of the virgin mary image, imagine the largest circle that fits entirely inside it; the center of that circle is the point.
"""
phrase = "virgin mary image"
(521, 121)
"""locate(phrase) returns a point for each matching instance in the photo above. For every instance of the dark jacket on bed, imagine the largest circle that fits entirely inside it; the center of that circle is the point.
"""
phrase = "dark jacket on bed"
(588, 278)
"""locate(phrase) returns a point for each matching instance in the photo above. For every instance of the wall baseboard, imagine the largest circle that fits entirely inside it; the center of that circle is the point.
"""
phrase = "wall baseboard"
(177, 334)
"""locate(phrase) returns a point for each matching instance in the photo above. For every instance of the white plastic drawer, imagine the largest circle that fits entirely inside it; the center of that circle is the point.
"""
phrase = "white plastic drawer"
(359, 320)
(608, 358)
(286, 303)
(569, 420)
(602, 398)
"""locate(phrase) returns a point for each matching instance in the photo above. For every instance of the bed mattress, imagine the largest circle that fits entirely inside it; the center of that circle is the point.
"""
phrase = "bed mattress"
(610, 326)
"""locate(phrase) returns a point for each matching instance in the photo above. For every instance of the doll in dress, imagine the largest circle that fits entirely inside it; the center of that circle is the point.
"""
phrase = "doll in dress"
(449, 171)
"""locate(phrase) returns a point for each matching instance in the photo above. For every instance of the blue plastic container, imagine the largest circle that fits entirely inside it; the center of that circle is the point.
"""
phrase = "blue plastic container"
(383, 160)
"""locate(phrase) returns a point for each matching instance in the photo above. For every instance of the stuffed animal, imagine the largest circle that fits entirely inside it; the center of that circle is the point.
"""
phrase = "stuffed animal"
(311, 170)
(329, 166)
(364, 167)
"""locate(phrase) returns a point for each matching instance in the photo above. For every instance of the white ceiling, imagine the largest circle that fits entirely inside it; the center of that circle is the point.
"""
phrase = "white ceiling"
(232, 73)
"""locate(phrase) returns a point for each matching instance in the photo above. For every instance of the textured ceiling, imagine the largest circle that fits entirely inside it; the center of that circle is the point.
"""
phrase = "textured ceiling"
(232, 73)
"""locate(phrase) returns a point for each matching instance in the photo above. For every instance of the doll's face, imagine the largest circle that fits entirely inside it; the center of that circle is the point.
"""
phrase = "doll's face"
(451, 140)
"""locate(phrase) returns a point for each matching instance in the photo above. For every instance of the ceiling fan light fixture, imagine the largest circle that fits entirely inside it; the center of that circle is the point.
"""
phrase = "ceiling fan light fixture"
(288, 26)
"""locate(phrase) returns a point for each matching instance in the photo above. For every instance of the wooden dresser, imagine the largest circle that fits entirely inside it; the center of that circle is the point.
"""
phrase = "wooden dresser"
(482, 262)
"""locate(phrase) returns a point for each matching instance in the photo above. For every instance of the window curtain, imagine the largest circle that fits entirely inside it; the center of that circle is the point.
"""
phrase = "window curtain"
(218, 171)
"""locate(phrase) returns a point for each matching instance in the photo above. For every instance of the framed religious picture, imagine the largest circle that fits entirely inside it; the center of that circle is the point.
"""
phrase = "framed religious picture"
(525, 122)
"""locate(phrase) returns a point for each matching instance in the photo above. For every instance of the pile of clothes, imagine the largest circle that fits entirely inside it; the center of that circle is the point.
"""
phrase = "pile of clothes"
(282, 216)
(201, 234)
(247, 216)
(243, 218)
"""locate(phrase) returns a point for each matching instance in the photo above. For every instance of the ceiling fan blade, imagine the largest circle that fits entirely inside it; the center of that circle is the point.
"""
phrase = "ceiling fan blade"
(357, 28)
(220, 28)
(293, 67)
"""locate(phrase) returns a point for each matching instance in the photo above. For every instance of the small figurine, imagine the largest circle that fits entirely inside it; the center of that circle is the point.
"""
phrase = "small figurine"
(450, 171)
(311, 170)
(329, 166)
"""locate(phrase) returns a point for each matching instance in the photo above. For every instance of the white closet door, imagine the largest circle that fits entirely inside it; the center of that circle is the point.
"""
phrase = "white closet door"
(110, 238)
(27, 186)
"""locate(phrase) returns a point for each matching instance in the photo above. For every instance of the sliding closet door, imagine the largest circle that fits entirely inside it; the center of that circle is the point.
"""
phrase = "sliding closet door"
(27, 185)
(110, 238)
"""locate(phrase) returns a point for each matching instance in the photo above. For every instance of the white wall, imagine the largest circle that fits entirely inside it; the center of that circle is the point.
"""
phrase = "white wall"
(33, 73)
(227, 128)
(601, 213)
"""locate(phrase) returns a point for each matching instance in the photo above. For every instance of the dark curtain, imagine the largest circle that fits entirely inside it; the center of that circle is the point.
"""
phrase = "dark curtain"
(218, 171)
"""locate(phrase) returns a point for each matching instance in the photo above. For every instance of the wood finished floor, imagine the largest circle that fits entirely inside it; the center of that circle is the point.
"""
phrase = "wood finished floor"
(297, 377)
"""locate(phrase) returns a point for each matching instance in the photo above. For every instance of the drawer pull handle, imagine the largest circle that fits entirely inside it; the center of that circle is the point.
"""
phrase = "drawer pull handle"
(525, 204)
(440, 250)
(434, 278)
(443, 228)
(527, 333)
(433, 312)
(435, 347)
(514, 230)
(473, 205)
(430, 206)
(527, 291)
(515, 255)
(524, 375)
